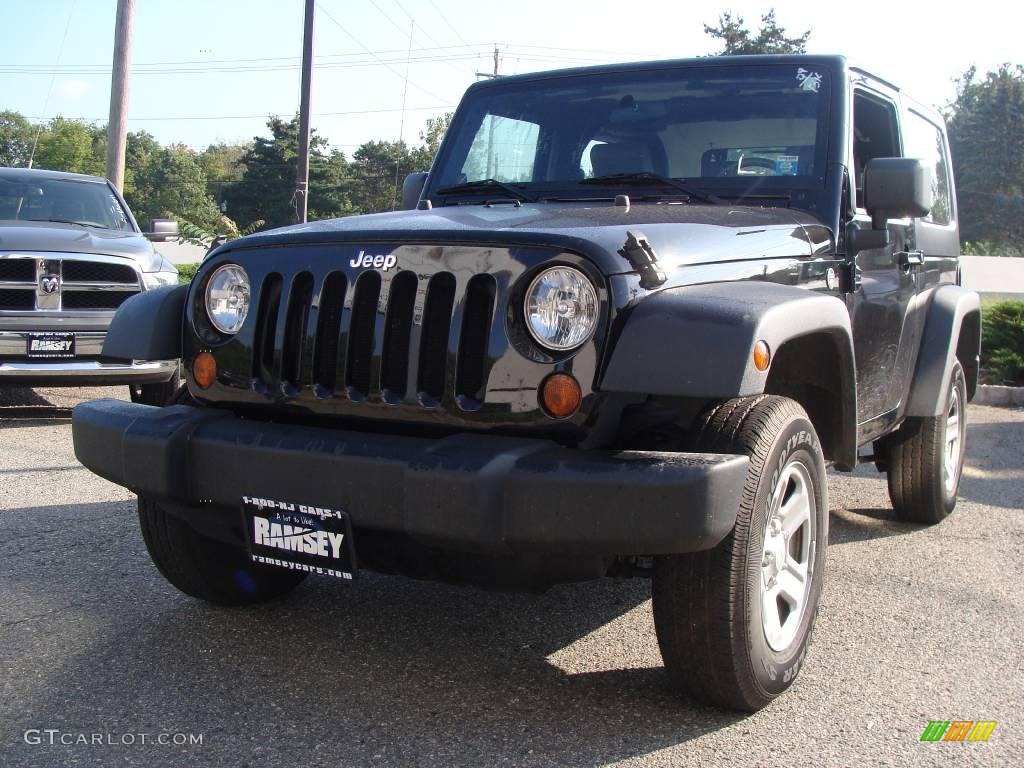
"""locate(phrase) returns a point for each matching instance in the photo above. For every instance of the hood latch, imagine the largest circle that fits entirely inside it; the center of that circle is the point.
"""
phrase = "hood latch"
(639, 253)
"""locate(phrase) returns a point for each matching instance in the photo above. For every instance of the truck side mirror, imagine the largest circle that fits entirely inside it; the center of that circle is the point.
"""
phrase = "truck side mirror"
(895, 187)
(162, 230)
(412, 188)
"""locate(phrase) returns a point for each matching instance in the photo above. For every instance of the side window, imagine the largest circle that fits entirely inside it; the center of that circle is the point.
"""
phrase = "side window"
(874, 135)
(924, 140)
(503, 149)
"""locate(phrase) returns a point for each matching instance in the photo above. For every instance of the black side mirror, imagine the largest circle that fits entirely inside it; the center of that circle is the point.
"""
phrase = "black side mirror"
(412, 188)
(895, 187)
(162, 230)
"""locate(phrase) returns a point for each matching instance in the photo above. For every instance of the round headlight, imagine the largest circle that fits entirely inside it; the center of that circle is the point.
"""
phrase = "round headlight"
(561, 308)
(227, 298)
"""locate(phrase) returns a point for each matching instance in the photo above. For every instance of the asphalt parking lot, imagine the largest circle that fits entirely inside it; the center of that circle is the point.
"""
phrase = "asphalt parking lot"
(916, 625)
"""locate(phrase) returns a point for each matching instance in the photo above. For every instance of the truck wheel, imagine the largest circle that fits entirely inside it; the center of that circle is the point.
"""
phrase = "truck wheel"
(154, 394)
(926, 458)
(206, 568)
(733, 622)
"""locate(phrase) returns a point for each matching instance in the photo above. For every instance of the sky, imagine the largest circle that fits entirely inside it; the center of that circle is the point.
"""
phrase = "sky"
(208, 71)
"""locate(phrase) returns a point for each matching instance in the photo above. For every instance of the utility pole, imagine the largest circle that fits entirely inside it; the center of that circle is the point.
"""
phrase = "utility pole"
(117, 126)
(302, 174)
(495, 73)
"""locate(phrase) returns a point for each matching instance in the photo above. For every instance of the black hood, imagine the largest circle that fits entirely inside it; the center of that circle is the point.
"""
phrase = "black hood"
(52, 237)
(680, 234)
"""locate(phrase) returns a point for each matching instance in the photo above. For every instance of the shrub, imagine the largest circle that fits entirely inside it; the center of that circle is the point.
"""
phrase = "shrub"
(186, 272)
(1002, 341)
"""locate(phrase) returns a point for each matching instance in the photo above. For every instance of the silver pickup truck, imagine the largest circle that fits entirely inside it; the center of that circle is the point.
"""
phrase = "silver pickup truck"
(70, 254)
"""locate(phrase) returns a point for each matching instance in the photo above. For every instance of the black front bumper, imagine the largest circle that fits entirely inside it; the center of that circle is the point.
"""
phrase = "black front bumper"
(468, 492)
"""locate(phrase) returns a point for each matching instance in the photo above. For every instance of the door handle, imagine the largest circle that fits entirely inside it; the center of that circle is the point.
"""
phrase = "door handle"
(907, 259)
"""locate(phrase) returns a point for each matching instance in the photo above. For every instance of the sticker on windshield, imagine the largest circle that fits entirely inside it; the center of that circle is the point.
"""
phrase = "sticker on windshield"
(787, 165)
(809, 81)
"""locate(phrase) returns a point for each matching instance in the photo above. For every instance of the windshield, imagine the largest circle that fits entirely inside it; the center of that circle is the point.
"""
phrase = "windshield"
(725, 127)
(88, 203)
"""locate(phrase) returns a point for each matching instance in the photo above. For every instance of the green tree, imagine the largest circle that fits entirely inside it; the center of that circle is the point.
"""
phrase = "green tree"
(433, 132)
(986, 134)
(267, 188)
(72, 145)
(771, 38)
(170, 183)
(16, 136)
(378, 170)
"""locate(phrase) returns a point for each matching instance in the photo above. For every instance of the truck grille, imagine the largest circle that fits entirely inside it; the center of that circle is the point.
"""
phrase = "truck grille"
(50, 282)
(374, 336)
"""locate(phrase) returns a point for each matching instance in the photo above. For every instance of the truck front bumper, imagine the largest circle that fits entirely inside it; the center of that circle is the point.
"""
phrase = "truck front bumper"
(468, 492)
(18, 370)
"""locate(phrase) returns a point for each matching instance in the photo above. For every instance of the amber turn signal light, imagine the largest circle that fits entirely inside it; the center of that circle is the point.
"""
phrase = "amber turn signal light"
(560, 395)
(762, 356)
(204, 369)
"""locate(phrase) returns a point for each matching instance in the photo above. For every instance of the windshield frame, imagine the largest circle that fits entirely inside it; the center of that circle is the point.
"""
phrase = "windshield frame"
(462, 131)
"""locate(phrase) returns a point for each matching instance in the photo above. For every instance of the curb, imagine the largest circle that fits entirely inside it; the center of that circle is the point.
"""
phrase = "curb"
(1005, 397)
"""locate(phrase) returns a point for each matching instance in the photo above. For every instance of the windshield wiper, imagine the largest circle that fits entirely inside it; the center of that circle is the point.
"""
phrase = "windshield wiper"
(646, 177)
(484, 186)
(69, 221)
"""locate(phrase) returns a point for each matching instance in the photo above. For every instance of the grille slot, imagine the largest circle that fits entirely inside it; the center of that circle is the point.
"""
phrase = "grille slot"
(361, 332)
(96, 300)
(17, 299)
(99, 272)
(21, 270)
(295, 326)
(328, 328)
(474, 337)
(266, 328)
(437, 319)
(394, 373)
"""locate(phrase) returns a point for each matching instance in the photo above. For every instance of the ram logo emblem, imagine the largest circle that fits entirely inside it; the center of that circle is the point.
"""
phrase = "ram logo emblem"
(48, 283)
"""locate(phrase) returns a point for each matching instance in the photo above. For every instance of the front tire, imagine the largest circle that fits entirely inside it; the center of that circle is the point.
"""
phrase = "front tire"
(926, 458)
(158, 394)
(734, 622)
(206, 568)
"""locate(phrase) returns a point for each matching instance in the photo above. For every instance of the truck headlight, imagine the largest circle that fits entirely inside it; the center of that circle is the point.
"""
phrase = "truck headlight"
(227, 298)
(561, 308)
(167, 274)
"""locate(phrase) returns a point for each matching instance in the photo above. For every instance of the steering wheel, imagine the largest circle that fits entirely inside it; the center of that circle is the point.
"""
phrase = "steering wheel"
(757, 166)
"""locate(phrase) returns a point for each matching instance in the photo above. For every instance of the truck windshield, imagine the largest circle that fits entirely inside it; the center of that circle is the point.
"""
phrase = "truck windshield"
(738, 128)
(87, 203)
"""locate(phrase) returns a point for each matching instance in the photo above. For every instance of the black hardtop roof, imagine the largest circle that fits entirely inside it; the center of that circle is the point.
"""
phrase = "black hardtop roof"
(832, 61)
(28, 174)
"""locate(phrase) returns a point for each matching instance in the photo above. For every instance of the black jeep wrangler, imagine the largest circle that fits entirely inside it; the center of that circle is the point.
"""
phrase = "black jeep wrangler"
(624, 325)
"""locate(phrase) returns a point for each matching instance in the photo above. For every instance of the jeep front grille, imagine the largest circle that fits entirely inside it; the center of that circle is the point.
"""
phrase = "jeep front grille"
(374, 336)
(53, 282)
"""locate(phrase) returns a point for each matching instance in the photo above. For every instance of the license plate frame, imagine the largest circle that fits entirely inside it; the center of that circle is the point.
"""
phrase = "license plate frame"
(299, 537)
(50, 345)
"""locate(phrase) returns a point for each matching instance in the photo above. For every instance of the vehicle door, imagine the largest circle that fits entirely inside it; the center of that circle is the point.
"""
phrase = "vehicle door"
(886, 317)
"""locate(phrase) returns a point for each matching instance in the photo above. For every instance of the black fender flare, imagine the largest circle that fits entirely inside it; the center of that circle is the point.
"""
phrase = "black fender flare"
(952, 330)
(148, 326)
(698, 342)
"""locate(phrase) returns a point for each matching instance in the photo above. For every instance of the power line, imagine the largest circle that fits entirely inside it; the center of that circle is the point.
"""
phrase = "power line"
(17, 70)
(250, 60)
(251, 117)
(423, 31)
(445, 20)
(358, 42)
(46, 101)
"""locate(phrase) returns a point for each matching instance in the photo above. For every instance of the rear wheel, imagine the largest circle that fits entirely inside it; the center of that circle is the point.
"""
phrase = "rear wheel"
(926, 457)
(734, 622)
(206, 568)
